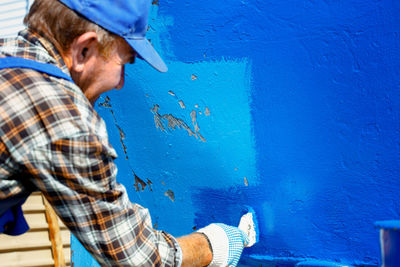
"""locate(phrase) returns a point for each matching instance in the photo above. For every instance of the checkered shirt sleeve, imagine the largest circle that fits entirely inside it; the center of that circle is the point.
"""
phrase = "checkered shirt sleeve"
(52, 140)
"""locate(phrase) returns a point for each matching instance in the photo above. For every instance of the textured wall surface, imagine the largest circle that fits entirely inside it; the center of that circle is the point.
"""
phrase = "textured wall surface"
(289, 106)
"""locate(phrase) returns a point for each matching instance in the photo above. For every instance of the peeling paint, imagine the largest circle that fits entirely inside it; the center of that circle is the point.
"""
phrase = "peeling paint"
(149, 183)
(140, 185)
(155, 2)
(246, 182)
(194, 77)
(182, 104)
(207, 111)
(171, 93)
(122, 138)
(169, 193)
(107, 104)
(196, 126)
(173, 123)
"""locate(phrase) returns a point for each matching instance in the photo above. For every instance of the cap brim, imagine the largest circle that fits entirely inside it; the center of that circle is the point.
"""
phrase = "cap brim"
(147, 52)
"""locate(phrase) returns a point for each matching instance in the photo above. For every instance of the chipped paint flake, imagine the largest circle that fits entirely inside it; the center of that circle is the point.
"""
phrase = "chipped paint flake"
(171, 93)
(207, 111)
(182, 104)
(246, 182)
(169, 193)
(194, 77)
(140, 185)
(149, 183)
(106, 103)
(122, 138)
(193, 116)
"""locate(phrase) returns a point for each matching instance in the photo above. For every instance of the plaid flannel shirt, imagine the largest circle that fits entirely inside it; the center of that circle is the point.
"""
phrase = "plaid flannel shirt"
(52, 140)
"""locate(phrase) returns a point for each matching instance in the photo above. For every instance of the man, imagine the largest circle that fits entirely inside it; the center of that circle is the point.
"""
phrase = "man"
(52, 140)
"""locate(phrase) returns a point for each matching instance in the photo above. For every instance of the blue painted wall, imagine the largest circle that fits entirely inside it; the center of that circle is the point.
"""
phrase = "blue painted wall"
(290, 106)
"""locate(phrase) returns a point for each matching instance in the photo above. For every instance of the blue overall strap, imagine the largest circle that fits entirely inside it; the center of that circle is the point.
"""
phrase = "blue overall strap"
(12, 220)
(19, 62)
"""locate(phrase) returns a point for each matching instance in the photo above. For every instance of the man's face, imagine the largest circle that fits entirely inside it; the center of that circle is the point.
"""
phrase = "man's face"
(104, 74)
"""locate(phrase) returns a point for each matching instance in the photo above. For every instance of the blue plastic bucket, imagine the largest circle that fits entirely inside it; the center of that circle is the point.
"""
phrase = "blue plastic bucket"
(389, 236)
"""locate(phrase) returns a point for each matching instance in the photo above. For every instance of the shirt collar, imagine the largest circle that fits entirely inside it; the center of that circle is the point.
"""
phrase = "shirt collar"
(38, 40)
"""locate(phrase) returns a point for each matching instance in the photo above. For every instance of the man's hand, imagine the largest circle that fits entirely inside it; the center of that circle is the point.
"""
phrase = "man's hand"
(219, 245)
(227, 242)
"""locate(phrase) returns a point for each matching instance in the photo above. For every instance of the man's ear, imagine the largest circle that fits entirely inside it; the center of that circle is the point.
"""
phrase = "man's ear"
(82, 49)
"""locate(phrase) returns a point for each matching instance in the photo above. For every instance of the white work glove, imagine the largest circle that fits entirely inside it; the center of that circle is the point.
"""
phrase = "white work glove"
(227, 242)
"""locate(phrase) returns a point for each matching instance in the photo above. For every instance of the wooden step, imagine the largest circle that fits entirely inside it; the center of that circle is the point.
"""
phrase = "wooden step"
(29, 258)
(29, 240)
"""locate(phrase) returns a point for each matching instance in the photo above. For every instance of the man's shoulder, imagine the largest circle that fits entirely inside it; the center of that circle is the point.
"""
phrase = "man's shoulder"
(35, 108)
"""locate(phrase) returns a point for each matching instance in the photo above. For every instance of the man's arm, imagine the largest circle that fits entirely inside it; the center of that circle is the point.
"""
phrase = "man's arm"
(77, 176)
(219, 244)
(195, 249)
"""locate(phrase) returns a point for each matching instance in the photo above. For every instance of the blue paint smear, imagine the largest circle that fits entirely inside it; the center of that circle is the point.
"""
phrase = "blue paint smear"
(173, 160)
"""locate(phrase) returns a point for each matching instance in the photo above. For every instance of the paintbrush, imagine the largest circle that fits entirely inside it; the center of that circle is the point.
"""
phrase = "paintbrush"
(249, 225)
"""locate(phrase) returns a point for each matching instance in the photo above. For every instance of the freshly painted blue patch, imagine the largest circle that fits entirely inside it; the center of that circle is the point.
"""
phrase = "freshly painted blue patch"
(219, 153)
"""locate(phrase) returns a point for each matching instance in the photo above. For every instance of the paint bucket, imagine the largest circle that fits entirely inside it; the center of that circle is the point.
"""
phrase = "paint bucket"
(389, 236)
(318, 263)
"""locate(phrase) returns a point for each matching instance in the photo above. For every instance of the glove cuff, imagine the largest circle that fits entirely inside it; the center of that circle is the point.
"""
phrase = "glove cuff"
(219, 244)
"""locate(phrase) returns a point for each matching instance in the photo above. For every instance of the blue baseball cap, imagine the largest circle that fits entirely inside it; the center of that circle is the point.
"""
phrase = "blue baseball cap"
(126, 18)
